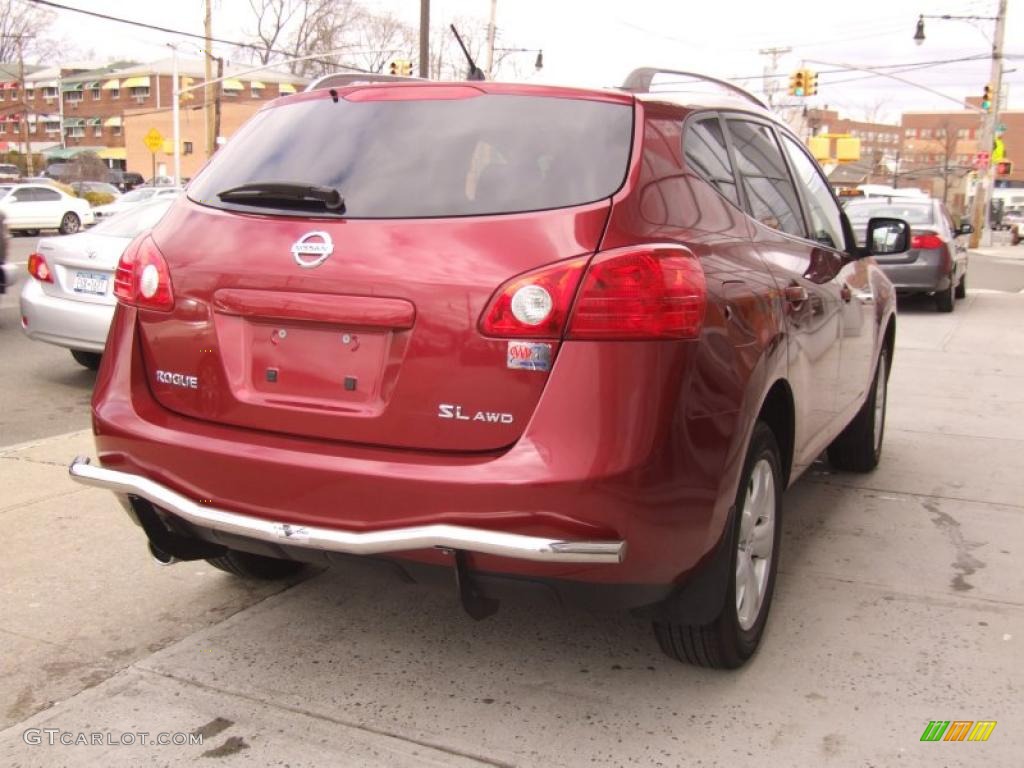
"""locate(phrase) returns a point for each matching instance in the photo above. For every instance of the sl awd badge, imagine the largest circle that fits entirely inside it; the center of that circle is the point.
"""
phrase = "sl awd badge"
(312, 249)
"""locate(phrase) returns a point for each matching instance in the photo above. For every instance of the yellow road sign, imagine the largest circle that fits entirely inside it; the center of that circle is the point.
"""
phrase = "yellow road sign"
(153, 140)
(998, 150)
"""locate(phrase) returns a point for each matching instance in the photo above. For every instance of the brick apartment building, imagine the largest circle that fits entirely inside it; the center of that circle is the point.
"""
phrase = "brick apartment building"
(879, 143)
(72, 109)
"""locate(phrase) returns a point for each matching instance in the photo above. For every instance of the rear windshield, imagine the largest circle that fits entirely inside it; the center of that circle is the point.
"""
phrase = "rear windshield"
(913, 213)
(135, 220)
(426, 158)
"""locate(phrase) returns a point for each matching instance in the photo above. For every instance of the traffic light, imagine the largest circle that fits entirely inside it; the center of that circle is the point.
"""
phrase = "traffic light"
(798, 83)
(401, 67)
(986, 98)
(811, 79)
(1004, 168)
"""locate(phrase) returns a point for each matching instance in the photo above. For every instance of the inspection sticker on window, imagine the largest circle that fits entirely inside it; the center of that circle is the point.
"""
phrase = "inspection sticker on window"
(529, 356)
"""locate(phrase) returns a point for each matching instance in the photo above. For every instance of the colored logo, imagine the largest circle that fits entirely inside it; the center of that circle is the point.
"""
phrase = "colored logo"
(958, 730)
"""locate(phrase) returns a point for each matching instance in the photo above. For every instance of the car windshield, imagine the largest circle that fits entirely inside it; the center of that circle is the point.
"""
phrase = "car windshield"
(860, 211)
(132, 222)
(414, 158)
(136, 195)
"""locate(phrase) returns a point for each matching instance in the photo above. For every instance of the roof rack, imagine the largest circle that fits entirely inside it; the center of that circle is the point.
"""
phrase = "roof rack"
(639, 81)
(341, 79)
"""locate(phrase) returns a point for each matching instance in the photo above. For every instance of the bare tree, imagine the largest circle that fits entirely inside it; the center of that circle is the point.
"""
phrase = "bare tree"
(26, 25)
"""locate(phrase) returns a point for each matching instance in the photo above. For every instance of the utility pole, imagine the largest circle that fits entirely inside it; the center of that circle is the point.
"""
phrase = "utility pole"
(175, 115)
(492, 32)
(211, 137)
(424, 38)
(771, 87)
(989, 121)
(216, 101)
(24, 108)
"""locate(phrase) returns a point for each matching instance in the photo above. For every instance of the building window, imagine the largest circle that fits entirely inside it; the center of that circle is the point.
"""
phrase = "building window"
(75, 96)
(30, 94)
(926, 133)
(97, 131)
(116, 130)
(52, 126)
(97, 94)
(3, 95)
(910, 133)
(14, 95)
(50, 94)
(140, 94)
(115, 93)
(3, 127)
(187, 148)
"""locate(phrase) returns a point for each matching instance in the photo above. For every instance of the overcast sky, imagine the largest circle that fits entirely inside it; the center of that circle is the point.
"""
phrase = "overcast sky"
(590, 42)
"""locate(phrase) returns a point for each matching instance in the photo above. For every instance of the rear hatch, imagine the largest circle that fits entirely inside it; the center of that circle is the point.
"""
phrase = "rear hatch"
(361, 324)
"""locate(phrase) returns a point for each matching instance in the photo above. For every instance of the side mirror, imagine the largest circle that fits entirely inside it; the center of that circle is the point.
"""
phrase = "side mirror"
(887, 236)
(965, 229)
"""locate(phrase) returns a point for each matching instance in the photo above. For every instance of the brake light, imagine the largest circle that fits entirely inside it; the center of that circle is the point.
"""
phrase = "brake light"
(534, 305)
(641, 292)
(142, 278)
(925, 241)
(39, 269)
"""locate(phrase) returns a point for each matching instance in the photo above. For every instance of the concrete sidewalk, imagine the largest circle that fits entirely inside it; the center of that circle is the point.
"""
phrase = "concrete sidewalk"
(899, 602)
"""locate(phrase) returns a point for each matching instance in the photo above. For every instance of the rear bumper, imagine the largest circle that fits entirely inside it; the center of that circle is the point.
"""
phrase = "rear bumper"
(931, 271)
(65, 322)
(8, 276)
(354, 543)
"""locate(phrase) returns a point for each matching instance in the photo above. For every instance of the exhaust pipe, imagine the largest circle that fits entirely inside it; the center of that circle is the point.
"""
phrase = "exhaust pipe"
(161, 557)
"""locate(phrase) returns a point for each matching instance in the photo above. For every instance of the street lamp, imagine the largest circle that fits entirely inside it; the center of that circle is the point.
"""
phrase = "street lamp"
(538, 63)
(983, 190)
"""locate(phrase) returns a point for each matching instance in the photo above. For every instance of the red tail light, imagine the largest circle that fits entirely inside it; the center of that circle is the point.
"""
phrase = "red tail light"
(39, 269)
(534, 305)
(644, 292)
(142, 278)
(925, 241)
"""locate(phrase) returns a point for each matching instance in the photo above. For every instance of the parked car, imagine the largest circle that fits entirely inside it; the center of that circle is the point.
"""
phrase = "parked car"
(58, 171)
(9, 172)
(555, 338)
(159, 181)
(125, 181)
(69, 299)
(30, 208)
(131, 199)
(937, 260)
(100, 187)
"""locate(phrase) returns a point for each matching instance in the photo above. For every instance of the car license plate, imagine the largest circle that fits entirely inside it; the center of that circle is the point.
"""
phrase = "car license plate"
(94, 283)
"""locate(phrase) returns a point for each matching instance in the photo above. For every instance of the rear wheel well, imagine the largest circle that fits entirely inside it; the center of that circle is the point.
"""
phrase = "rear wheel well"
(778, 413)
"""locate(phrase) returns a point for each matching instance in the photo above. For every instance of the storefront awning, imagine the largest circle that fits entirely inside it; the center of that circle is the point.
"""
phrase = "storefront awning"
(74, 122)
(111, 85)
(10, 85)
(71, 87)
(94, 121)
(44, 84)
(286, 88)
(256, 85)
(60, 153)
(231, 84)
(113, 153)
(136, 82)
(113, 122)
(93, 84)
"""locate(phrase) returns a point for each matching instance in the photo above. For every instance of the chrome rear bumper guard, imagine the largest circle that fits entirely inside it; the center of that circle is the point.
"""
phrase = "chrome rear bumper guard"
(455, 537)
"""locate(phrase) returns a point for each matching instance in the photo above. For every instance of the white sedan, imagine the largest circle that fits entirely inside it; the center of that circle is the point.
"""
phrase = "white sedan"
(136, 197)
(68, 300)
(32, 207)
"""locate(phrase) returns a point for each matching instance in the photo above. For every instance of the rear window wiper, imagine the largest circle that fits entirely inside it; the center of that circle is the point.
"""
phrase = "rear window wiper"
(286, 192)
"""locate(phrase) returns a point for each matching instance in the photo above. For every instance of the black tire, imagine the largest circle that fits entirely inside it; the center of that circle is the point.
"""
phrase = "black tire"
(90, 360)
(961, 287)
(250, 566)
(30, 232)
(859, 447)
(944, 301)
(725, 643)
(70, 223)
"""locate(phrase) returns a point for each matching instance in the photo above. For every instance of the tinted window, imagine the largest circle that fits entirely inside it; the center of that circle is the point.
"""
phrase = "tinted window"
(860, 211)
(770, 193)
(45, 195)
(138, 194)
(437, 157)
(826, 221)
(706, 153)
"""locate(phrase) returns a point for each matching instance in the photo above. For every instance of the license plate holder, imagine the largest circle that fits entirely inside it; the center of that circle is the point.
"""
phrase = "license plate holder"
(90, 283)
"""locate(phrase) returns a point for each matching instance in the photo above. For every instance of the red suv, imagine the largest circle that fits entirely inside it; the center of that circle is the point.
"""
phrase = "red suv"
(547, 338)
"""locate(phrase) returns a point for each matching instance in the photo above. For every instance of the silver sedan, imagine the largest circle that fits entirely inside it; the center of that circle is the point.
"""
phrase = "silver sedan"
(69, 298)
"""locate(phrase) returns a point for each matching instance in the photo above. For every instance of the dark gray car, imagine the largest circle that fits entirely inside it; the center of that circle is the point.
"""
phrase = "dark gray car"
(937, 260)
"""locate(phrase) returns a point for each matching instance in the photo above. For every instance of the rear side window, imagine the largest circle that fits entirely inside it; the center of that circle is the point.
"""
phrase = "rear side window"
(426, 158)
(706, 153)
(769, 189)
(826, 220)
(48, 195)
